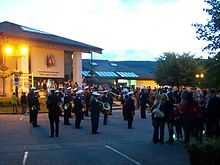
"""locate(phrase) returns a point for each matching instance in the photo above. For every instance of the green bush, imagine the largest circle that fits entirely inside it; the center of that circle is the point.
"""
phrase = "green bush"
(5, 102)
(206, 153)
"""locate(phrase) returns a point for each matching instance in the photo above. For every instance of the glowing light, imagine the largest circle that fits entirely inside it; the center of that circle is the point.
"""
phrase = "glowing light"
(201, 75)
(23, 50)
(8, 50)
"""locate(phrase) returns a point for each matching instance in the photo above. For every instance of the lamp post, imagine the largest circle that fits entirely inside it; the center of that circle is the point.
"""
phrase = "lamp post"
(91, 72)
(16, 51)
(199, 77)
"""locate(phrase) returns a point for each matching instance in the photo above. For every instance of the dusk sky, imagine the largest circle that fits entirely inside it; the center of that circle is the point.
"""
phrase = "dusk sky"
(125, 29)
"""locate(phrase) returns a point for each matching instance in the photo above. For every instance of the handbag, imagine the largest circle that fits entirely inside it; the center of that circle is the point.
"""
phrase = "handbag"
(157, 113)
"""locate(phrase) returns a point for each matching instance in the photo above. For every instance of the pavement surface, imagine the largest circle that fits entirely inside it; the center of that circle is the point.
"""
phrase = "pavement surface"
(20, 144)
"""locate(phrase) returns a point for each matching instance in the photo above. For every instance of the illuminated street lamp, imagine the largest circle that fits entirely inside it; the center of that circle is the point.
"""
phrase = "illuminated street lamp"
(199, 77)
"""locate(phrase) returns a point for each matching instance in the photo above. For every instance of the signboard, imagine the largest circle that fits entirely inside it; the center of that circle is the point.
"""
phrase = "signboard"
(47, 63)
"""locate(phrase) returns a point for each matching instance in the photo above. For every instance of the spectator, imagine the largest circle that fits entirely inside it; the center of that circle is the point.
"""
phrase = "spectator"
(23, 103)
(14, 102)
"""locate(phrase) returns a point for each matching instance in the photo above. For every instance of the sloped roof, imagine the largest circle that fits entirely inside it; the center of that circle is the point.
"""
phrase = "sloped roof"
(143, 69)
(12, 29)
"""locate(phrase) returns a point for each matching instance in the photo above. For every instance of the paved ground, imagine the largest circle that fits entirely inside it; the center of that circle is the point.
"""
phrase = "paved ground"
(20, 144)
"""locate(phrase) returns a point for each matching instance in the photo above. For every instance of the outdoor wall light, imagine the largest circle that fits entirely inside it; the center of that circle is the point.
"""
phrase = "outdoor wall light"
(21, 50)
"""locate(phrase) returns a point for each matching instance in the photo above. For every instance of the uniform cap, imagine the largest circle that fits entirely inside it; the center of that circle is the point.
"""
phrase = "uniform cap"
(68, 88)
(95, 93)
(79, 91)
(87, 87)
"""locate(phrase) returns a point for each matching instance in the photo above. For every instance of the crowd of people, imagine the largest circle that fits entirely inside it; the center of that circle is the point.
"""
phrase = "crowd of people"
(186, 113)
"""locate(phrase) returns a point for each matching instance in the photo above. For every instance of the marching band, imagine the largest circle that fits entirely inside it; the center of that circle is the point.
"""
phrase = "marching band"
(68, 101)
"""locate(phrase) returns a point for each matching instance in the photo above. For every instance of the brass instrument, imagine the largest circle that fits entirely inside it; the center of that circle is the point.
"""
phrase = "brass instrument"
(118, 97)
(115, 94)
(105, 106)
(67, 105)
(72, 104)
(60, 106)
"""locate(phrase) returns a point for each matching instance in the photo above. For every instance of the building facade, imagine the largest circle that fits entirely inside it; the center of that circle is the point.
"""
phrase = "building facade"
(123, 73)
(30, 57)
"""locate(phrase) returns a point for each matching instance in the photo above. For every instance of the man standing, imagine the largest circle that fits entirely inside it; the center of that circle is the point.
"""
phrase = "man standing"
(124, 97)
(14, 102)
(35, 108)
(78, 109)
(143, 102)
(23, 103)
(53, 102)
(67, 106)
(87, 100)
(30, 103)
(213, 114)
(130, 109)
(95, 109)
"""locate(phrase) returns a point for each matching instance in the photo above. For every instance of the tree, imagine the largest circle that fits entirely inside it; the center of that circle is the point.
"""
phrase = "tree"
(175, 70)
(211, 30)
(213, 71)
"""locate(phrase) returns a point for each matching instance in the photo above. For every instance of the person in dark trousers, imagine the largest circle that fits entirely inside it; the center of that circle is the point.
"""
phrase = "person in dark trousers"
(53, 102)
(78, 109)
(124, 97)
(178, 123)
(188, 108)
(157, 121)
(30, 98)
(87, 96)
(213, 114)
(143, 102)
(130, 109)
(110, 95)
(167, 108)
(35, 108)
(23, 103)
(95, 110)
(67, 107)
